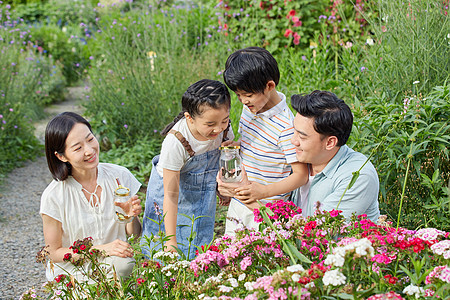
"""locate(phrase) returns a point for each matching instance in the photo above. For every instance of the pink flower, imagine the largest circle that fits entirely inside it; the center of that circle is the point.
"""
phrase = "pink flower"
(246, 262)
(335, 212)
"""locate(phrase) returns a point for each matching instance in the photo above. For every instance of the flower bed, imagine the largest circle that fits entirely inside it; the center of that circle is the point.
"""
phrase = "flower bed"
(292, 257)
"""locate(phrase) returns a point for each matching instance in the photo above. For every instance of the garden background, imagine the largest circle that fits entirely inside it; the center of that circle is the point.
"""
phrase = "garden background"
(388, 60)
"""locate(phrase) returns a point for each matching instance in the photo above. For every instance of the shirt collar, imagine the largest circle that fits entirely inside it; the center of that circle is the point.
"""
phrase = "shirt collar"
(274, 110)
(334, 163)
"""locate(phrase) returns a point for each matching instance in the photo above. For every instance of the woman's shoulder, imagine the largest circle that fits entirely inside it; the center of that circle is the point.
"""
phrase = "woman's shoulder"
(54, 189)
(112, 169)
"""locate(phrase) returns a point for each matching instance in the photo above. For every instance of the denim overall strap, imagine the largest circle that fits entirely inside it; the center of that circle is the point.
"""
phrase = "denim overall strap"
(197, 199)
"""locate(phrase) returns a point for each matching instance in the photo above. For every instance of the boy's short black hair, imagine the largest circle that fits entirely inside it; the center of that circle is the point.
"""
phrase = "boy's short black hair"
(250, 69)
(332, 117)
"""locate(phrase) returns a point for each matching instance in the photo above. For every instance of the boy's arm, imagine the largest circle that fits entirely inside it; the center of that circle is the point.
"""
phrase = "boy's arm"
(255, 191)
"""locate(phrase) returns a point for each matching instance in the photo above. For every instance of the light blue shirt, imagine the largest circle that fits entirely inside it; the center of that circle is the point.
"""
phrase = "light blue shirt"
(328, 186)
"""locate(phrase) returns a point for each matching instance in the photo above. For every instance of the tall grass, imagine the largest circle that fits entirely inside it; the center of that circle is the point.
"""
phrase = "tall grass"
(145, 61)
(412, 45)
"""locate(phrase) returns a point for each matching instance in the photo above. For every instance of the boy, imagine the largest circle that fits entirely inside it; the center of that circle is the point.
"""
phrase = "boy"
(271, 170)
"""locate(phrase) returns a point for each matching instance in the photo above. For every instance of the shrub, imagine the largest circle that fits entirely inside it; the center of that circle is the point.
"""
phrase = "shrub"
(28, 81)
(165, 51)
(279, 24)
(416, 130)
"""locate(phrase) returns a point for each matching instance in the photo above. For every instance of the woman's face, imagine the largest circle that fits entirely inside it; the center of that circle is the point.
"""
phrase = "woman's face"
(82, 148)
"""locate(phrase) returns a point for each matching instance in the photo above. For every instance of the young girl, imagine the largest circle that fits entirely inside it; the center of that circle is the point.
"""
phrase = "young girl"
(182, 180)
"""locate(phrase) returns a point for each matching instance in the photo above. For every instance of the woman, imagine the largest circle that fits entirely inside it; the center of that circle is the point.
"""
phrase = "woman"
(79, 202)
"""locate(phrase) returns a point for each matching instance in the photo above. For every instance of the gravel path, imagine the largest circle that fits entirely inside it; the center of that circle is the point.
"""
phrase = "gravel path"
(21, 234)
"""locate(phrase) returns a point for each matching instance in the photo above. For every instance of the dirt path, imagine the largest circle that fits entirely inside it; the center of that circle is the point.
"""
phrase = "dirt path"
(20, 223)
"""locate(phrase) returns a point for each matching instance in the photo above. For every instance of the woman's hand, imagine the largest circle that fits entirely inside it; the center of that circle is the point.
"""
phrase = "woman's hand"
(132, 207)
(116, 248)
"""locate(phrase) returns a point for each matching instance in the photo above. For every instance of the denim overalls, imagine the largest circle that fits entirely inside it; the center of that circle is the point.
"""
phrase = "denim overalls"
(197, 196)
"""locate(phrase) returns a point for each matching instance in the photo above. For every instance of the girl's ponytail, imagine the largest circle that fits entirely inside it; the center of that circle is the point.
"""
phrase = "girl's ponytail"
(169, 126)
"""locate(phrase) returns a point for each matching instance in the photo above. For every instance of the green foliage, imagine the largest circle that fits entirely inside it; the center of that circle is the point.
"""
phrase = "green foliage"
(29, 80)
(59, 44)
(418, 130)
(411, 44)
(279, 24)
(136, 156)
(165, 51)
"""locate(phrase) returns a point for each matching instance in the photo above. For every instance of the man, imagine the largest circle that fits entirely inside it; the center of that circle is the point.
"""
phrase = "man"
(322, 126)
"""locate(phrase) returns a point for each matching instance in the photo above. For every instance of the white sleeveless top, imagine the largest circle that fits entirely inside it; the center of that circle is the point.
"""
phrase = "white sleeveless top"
(65, 202)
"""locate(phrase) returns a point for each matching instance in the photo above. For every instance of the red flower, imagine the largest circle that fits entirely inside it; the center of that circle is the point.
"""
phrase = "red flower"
(75, 250)
(82, 247)
(288, 33)
(60, 277)
(67, 257)
(140, 281)
(290, 14)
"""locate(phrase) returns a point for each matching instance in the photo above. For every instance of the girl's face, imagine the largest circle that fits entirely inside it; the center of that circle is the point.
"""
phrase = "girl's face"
(209, 124)
(82, 148)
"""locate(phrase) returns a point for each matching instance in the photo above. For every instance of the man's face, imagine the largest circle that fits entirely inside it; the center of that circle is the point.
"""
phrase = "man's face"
(310, 146)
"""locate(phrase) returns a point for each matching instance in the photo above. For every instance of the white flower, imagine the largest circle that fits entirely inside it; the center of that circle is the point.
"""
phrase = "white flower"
(225, 289)
(233, 282)
(416, 82)
(249, 286)
(241, 277)
(295, 268)
(333, 277)
(370, 42)
(335, 260)
(413, 290)
(295, 277)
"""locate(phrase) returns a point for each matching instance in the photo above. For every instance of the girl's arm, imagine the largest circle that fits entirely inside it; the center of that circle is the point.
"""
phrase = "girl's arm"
(171, 181)
(53, 239)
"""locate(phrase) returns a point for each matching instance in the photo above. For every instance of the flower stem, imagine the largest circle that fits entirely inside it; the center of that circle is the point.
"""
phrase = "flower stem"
(403, 190)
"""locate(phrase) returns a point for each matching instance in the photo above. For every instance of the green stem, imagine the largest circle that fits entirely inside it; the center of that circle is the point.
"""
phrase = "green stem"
(403, 190)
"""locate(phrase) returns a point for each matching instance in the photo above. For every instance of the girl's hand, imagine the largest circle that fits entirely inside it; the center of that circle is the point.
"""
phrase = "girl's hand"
(116, 248)
(230, 143)
(132, 207)
(170, 244)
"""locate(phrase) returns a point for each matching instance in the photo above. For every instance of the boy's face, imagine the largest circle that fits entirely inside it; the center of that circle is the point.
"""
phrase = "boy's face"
(256, 103)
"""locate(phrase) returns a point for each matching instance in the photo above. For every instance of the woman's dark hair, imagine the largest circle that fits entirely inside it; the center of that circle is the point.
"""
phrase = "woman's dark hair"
(56, 134)
(332, 117)
(250, 69)
(204, 93)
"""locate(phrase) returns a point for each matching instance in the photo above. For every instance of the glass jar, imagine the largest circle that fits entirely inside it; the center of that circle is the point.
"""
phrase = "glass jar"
(121, 195)
(230, 164)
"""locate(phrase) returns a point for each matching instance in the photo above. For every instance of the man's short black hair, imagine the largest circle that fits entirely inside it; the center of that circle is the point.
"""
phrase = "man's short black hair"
(250, 69)
(332, 117)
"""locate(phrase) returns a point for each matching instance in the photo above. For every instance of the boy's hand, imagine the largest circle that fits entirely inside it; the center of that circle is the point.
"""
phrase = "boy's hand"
(250, 193)
(228, 189)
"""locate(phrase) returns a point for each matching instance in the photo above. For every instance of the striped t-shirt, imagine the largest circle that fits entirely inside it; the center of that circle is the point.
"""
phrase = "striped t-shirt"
(266, 147)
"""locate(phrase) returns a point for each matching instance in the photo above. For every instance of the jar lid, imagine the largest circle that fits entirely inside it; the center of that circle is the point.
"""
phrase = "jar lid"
(229, 147)
(122, 191)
